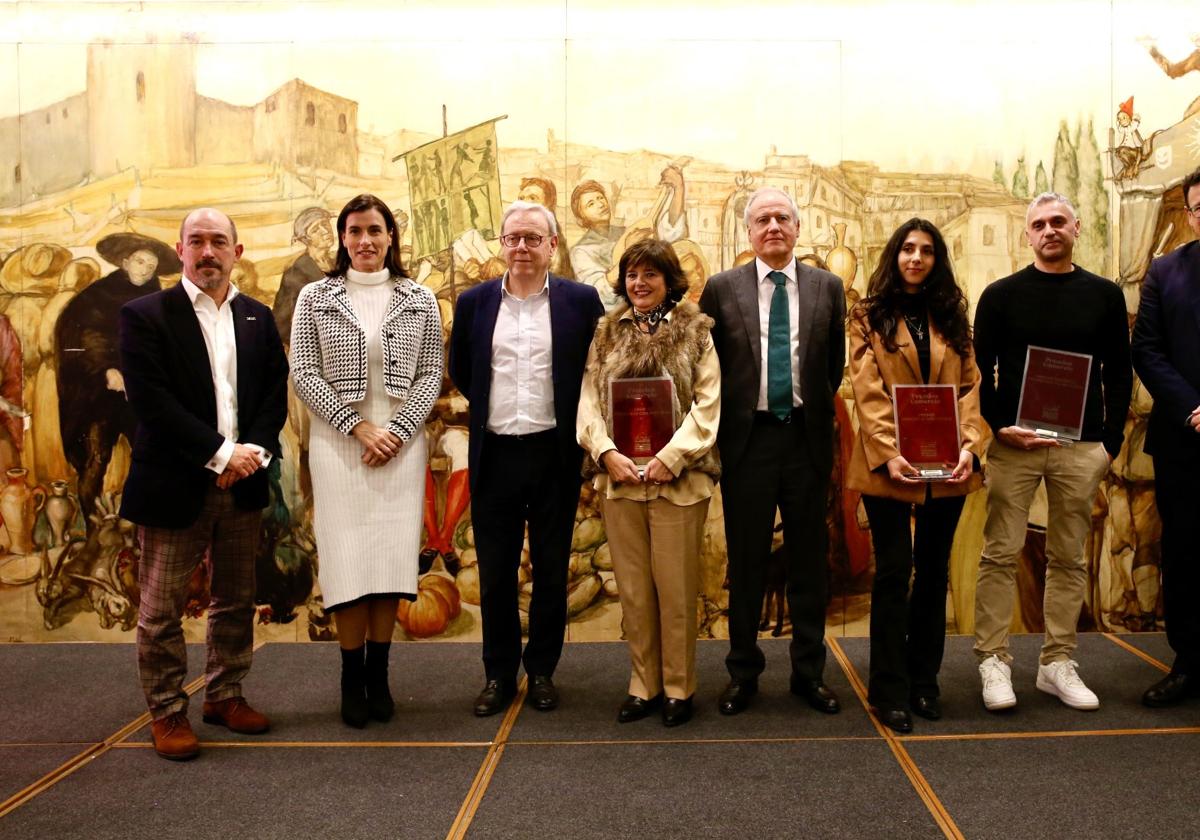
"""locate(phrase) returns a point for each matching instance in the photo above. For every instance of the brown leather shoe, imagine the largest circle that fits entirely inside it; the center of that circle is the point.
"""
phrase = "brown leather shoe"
(173, 737)
(237, 715)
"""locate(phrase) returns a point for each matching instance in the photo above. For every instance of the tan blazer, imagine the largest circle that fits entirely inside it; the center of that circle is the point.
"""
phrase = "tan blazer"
(873, 372)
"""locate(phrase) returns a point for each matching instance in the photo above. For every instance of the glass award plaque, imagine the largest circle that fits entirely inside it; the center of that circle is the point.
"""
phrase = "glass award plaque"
(641, 416)
(927, 432)
(1054, 393)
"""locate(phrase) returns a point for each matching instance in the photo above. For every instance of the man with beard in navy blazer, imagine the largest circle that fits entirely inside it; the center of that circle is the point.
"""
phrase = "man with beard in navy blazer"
(517, 353)
(206, 375)
(1166, 356)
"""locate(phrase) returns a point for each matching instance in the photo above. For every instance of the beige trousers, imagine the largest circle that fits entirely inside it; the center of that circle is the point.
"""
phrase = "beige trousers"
(655, 549)
(1072, 475)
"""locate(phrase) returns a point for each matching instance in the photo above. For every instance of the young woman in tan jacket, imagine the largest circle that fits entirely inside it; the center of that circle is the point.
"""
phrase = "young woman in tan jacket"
(912, 328)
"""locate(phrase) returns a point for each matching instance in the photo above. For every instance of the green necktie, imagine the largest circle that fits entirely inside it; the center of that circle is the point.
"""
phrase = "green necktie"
(779, 350)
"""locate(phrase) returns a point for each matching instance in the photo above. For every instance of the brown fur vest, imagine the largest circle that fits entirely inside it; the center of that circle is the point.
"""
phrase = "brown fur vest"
(623, 351)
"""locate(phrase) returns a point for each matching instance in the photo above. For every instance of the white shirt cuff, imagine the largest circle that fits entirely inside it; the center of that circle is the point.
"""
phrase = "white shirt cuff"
(218, 462)
(263, 453)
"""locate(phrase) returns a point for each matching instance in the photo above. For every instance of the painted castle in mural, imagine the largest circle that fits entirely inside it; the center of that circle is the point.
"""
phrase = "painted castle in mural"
(92, 189)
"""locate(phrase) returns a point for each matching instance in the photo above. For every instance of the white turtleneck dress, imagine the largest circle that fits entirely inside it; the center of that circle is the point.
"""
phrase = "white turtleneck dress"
(367, 520)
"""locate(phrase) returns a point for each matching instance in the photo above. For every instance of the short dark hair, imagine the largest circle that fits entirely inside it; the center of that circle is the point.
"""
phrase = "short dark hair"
(658, 255)
(1190, 181)
(359, 204)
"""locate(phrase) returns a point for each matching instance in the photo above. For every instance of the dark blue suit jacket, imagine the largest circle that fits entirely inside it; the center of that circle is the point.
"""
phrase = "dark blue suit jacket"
(168, 381)
(574, 310)
(1166, 349)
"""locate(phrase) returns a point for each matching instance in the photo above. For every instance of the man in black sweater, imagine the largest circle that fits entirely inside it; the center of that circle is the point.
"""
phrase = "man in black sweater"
(1054, 304)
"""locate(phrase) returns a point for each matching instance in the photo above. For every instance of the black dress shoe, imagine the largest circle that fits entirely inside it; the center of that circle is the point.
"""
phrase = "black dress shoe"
(635, 708)
(676, 712)
(929, 708)
(494, 698)
(818, 695)
(543, 696)
(425, 560)
(896, 720)
(736, 696)
(1171, 689)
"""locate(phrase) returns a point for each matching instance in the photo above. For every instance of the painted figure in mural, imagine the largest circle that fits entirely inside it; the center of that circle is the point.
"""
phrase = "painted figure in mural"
(654, 516)
(367, 362)
(911, 329)
(314, 230)
(542, 191)
(1052, 303)
(93, 409)
(1128, 145)
(780, 336)
(596, 252)
(517, 353)
(1166, 355)
(12, 415)
(461, 156)
(206, 375)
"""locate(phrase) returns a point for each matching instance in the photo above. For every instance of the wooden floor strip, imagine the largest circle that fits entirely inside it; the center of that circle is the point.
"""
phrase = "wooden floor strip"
(466, 812)
(1082, 733)
(1140, 654)
(936, 809)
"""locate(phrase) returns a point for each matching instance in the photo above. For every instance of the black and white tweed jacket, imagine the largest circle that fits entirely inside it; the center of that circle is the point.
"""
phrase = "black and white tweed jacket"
(329, 354)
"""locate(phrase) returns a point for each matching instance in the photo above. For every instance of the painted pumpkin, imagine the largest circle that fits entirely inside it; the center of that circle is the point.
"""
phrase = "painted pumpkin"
(436, 606)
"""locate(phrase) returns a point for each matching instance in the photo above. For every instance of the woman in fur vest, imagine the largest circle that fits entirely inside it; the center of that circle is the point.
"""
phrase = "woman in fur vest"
(654, 487)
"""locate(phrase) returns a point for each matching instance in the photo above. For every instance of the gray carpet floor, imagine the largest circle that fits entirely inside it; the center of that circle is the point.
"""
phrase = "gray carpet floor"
(778, 770)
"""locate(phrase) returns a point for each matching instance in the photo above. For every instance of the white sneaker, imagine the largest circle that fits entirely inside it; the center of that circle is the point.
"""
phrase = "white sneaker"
(1060, 679)
(997, 684)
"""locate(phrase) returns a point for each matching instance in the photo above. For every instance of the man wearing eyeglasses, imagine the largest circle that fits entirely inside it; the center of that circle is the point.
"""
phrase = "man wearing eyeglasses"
(517, 352)
(1166, 356)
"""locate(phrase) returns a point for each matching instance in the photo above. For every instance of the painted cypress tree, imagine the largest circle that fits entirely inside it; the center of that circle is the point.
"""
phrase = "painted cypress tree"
(1065, 176)
(1041, 183)
(998, 175)
(1020, 184)
(1093, 204)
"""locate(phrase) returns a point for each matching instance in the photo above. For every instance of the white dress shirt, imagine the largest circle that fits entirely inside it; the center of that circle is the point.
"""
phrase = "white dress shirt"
(216, 324)
(766, 288)
(522, 390)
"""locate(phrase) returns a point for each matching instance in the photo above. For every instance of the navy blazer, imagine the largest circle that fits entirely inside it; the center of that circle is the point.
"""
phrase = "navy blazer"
(168, 381)
(1166, 349)
(731, 300)
(574, 310)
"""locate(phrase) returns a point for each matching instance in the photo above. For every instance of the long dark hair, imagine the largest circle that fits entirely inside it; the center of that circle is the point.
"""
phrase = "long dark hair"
(945, 301)
(359, 204)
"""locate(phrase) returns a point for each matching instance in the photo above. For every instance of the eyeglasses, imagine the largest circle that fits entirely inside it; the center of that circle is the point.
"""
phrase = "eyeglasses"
(532, 240)
(1194, 212)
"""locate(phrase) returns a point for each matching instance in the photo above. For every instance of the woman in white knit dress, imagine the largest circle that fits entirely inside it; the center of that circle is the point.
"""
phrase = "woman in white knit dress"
(367, 361)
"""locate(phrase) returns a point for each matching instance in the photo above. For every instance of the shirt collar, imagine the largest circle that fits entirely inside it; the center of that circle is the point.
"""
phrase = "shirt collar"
(194, 292)
(764, 269)
(504, 292)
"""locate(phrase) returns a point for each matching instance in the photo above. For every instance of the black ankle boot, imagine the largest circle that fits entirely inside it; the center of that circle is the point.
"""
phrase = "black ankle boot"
(379, 697)
(355, 711)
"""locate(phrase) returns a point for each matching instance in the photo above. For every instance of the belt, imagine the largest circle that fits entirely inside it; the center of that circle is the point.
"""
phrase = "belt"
(771, 419)
(544, 436)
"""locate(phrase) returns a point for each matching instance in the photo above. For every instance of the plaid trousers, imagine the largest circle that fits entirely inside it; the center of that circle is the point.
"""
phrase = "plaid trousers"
(169, 557)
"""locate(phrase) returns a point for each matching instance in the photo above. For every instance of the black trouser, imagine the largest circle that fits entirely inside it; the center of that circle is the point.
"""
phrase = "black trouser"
(1177, 495)
(908, 633)
(522, 480)
(776, 470)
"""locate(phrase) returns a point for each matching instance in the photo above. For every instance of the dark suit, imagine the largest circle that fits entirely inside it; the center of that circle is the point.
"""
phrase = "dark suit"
(1166, 356)
(173, 495)
(768, 463)
(532, 479)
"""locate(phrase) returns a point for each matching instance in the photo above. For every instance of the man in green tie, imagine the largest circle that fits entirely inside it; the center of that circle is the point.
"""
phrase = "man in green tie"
(780, 334)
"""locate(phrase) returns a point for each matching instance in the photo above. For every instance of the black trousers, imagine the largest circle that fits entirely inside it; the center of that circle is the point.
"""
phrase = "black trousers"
(1177, 495)
(908, 633)
(522, 481)
(777, 471)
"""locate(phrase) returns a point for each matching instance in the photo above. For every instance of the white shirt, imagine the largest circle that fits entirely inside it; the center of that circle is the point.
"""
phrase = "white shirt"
(216, 324)
(766, 288)
(522, 390)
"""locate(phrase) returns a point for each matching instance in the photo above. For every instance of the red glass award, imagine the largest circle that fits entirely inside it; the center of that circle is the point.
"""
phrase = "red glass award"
(641, 416)
(927, 432)
(1053, 393)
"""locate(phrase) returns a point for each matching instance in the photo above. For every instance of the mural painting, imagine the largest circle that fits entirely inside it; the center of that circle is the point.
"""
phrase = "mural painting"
(96, 175)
